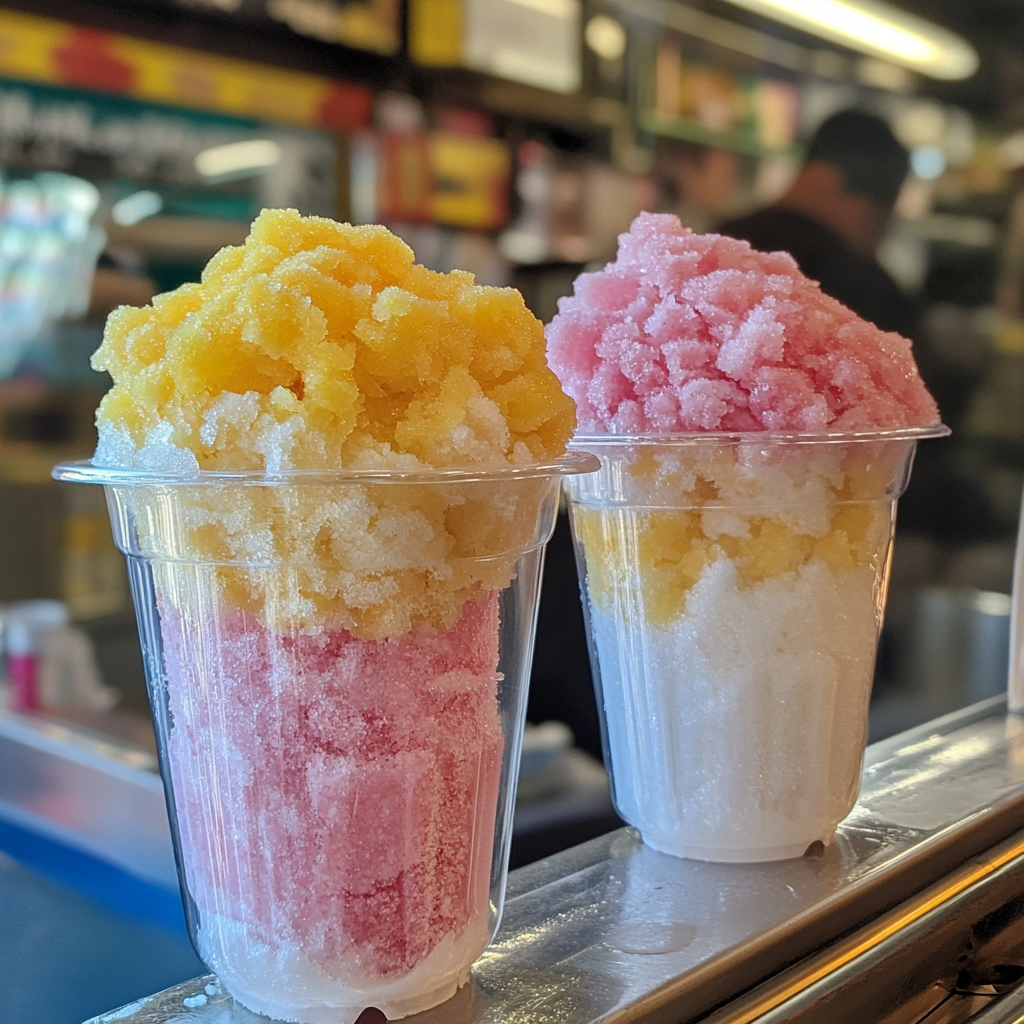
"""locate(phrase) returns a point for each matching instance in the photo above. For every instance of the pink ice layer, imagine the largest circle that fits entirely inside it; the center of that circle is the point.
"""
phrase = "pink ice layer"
(687, 332)
(333, 794)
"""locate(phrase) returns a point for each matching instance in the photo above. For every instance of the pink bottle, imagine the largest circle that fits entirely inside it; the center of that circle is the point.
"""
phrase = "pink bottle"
(22, 666)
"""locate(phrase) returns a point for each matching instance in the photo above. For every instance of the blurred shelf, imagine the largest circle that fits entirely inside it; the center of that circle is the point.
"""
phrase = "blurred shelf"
(178, 237)
(693, 131)
(32, 465)
(92, 792)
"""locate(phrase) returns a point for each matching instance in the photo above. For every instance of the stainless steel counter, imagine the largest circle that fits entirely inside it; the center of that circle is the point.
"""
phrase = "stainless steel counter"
(613, 932)
(88, 791)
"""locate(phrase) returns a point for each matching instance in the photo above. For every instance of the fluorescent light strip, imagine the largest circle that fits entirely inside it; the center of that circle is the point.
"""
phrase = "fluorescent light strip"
(712, 29)
(878, 29)
(138, 206)
(251, 156)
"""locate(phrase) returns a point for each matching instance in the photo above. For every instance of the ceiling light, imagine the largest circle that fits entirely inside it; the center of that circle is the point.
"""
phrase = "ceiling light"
(928, 162)
(877, 29)
(920, 123)
(138, 206)
(1011, 151)
(606, 37)
(237, 158)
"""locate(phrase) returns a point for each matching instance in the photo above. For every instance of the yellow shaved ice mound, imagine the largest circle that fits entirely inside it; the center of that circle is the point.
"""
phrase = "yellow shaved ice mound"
(319, 345)
(322, 346)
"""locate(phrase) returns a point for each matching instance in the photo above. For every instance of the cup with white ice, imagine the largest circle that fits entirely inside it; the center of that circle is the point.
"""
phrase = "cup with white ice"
(734, 587)
(337, 665)
(754, 435)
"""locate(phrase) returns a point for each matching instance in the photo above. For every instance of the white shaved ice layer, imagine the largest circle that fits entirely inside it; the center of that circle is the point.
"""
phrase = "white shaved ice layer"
(747, 715)
(159, 454)
(282, 983)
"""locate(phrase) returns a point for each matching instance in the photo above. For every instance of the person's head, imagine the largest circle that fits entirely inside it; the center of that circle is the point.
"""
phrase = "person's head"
(851, 177)
(864, 150)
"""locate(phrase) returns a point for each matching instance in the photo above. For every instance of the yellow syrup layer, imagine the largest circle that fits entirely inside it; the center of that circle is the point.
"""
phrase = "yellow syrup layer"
(670, 549)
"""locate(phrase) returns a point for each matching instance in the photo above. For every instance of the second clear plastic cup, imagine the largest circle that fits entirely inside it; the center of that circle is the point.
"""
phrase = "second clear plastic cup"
(734, 587)
(337, 666)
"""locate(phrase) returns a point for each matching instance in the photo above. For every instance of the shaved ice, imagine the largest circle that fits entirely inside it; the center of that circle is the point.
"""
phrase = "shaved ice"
(322, 346)
(371, 770)
(686, 332)
(319, 345)
(337, 472)
(754, 436)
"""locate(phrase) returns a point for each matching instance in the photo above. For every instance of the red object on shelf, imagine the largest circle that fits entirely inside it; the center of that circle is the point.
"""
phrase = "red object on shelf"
(462, 121)
(22, 670)
(25, 626)
(406, 191)
(86, 61)
(346, 107)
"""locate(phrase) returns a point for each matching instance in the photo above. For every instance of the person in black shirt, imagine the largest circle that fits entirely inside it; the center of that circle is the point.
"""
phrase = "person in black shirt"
(834, 216)
(831, 221)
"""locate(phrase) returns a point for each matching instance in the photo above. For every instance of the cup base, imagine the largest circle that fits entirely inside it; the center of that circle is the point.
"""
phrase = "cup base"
(393, 1009)
(731, 854)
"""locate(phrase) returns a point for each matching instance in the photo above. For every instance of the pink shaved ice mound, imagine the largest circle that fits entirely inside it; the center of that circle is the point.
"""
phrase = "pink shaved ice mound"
(686, 332)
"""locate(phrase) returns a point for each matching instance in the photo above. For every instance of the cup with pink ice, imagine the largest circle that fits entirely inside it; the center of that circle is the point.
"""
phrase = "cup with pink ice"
(340, 792)
(754, 436)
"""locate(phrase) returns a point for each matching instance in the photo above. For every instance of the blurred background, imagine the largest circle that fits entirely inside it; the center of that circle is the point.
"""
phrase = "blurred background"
(514, 139)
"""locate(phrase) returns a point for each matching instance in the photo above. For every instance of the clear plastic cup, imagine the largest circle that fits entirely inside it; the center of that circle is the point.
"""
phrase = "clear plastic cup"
(734, 587)
(337, 668)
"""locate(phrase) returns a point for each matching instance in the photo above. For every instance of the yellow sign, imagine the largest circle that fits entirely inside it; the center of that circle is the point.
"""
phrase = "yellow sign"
(56, 53)
(435, 32)
(471, 176)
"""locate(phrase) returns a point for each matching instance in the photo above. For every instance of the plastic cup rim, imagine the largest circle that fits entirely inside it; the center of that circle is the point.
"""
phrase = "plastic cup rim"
(583, 442)
(84, 471)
